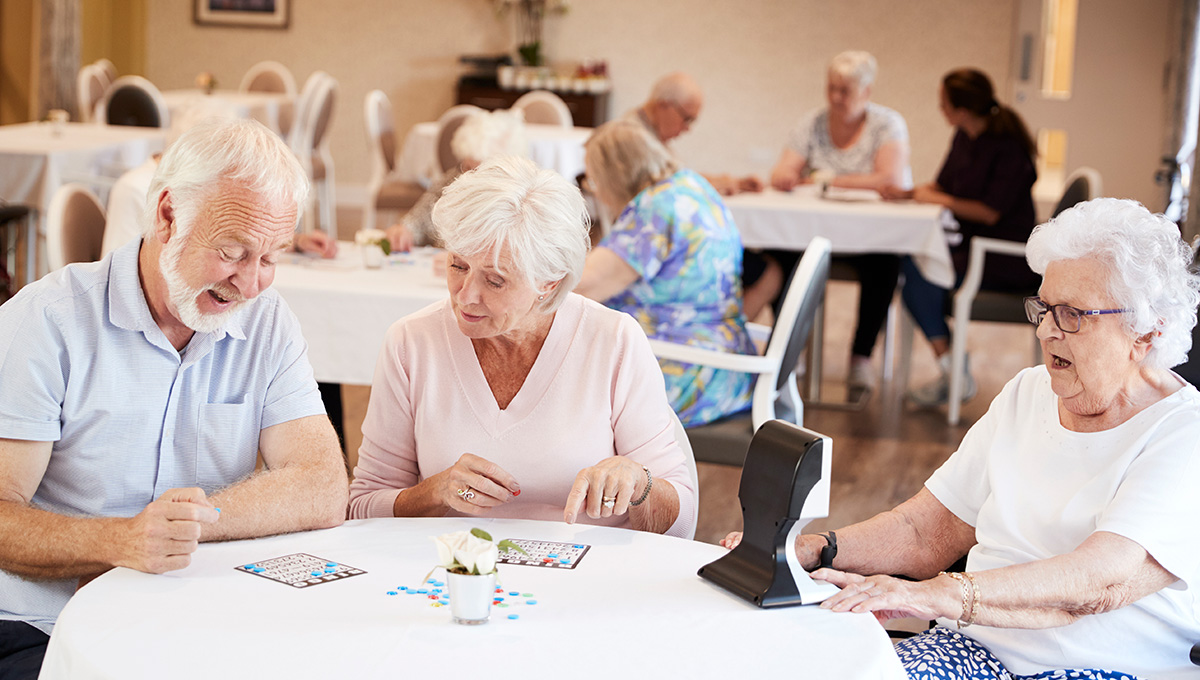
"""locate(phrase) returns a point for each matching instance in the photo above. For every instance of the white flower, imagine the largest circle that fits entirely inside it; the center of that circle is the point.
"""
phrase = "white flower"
(368, 236)
(447, 544)
(464, 549)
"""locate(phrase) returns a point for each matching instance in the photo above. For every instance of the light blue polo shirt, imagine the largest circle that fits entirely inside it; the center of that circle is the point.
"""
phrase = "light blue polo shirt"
(83, 364)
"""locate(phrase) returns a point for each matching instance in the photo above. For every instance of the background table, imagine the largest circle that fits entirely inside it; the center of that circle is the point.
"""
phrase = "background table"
(37, 158)
(265, 107)
(345, 309)
(633, 605)
(550, 146)
(857, 224)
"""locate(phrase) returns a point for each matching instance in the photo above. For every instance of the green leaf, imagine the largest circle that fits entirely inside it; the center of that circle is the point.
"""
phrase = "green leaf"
(509, 545)
(386, 245)
(480, 533)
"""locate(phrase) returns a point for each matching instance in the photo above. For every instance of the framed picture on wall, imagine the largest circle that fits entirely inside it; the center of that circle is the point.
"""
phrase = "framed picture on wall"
(261, 13)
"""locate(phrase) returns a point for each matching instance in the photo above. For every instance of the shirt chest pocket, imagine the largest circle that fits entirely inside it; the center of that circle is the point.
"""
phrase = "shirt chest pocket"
(227, 444)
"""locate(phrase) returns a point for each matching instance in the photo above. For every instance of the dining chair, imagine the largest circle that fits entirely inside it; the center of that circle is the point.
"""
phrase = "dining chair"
(13, 218)
(107, 69)
(135, 101)
(776, 394)
(89, 90)
(973, 304)
(448, 124)
(272, 76)
(384, 192)
(681, 437)
(310, 143)
(545, 108)
(74, 226)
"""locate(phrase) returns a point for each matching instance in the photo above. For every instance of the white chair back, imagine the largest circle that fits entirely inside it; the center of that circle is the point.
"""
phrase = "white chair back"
(542, 107)
(684, 443)
(89, 91)
(269, 76)
(133, 100)
(448, 124)
(74, 226)
(107, 69)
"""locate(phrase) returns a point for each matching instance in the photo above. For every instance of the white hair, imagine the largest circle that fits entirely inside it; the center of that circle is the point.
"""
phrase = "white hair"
(1150, 268)
(856, 66)
(218, 154)
(487, 135)
(509, 202)
(675, 88)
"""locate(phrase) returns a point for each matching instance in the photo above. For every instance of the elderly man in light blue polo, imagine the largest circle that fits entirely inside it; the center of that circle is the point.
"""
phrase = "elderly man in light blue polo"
(136, 392)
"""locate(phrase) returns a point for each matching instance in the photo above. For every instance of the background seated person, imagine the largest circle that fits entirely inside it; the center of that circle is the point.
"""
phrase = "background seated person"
(1075, 494)
(139, 390)
(673, 106)
(862, 145)
(987, 182)
(517, 397)
(673, 261)
(481, 136)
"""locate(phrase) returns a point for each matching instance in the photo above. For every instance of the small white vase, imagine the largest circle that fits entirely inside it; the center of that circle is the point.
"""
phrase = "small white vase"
(471, 597)
(372, 256)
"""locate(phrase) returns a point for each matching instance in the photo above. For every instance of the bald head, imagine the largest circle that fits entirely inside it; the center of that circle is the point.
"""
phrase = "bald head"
(674, 104)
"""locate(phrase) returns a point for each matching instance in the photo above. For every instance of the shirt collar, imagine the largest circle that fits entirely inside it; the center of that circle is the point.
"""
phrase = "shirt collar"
(129, 309)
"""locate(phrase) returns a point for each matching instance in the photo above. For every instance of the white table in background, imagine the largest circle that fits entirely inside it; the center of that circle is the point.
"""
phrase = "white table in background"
(633, 602)
(550, 146)
(265, 107)
(37, 158)
(345, 309)
(857, 222)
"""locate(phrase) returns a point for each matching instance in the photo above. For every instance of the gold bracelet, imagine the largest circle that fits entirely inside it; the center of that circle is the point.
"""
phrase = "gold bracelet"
(966, 616)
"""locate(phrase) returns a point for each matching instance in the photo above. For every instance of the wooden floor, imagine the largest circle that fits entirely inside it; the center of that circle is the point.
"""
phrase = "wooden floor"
(882, 454)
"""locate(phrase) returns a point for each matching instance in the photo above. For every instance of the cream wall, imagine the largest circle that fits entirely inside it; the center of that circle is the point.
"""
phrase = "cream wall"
(761, 62)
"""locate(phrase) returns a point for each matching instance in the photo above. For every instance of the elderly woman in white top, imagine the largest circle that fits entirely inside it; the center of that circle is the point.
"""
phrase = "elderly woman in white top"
(858, 144)
(517, 397)
(1075, 495)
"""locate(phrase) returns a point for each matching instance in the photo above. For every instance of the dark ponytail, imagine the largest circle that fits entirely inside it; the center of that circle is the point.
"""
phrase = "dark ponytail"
(972, 90)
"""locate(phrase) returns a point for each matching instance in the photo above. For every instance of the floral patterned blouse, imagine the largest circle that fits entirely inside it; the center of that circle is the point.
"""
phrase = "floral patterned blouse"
(680, 239)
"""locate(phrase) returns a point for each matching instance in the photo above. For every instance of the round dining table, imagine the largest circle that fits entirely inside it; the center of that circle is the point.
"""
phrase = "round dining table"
(631, 605)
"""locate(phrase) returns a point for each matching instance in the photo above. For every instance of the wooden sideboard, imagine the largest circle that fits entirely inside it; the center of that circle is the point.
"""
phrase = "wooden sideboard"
(587, 110)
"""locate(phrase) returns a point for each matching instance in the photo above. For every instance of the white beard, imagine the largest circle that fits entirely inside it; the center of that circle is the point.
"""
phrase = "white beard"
(183, 297)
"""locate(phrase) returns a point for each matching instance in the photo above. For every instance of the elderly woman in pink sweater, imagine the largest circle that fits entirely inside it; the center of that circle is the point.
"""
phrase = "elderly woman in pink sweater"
(517, 397)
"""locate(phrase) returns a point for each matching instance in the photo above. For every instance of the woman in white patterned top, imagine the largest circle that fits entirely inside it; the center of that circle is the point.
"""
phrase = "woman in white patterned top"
(856, 144)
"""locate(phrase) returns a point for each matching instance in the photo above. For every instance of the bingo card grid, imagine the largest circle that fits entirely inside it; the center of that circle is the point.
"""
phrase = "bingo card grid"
(544, 554)
(300, 570)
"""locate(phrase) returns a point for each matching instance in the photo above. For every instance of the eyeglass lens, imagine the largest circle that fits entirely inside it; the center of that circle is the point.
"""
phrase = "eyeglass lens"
(1066, 317)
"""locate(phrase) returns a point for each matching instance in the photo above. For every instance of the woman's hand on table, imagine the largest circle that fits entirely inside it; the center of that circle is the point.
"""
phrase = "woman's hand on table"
(473, 484)
(892, 598)
(400, 238)
(731, 540)
(891, 192)
(317, 243)
(928, 193)
(750, 184)
(786, 179)
(605, 489)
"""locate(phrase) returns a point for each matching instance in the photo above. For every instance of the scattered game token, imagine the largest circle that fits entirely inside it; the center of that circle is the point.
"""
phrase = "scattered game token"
(553, 555)
(248, 566)
(331, 564)
(514, 616)
(413, 592)
(526, 594)
(565, 561)
(392, 592)
(437, 590)
(498, 598)
(402, 588)
(530, 601)
(503, 604)
(423, 591)
(513, 593)
(579, 547)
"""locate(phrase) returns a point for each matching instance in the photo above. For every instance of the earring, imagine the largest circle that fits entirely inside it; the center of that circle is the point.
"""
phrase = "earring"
(541, 297)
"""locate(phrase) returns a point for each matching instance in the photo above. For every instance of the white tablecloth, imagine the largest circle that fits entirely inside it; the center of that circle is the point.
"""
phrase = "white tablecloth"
(345, 309)
(37, 158)
(550, 146)
(34, 161)
(855, 223)
(261, 106)
(633, 606)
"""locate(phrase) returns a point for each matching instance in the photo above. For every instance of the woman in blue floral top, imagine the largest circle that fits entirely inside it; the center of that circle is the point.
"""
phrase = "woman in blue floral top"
(673, 260)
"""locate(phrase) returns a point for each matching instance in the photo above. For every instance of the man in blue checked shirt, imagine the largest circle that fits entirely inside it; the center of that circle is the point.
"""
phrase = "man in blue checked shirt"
(136, 392)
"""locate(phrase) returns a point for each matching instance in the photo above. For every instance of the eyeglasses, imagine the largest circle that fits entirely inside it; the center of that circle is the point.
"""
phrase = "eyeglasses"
(683, 114)
(1067, 318)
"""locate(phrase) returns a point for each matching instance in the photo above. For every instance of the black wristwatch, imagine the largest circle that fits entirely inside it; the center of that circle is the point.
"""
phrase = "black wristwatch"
(829, 551)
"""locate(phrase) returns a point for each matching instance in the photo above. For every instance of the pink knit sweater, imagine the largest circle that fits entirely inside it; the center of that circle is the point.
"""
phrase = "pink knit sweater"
(595, 390)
